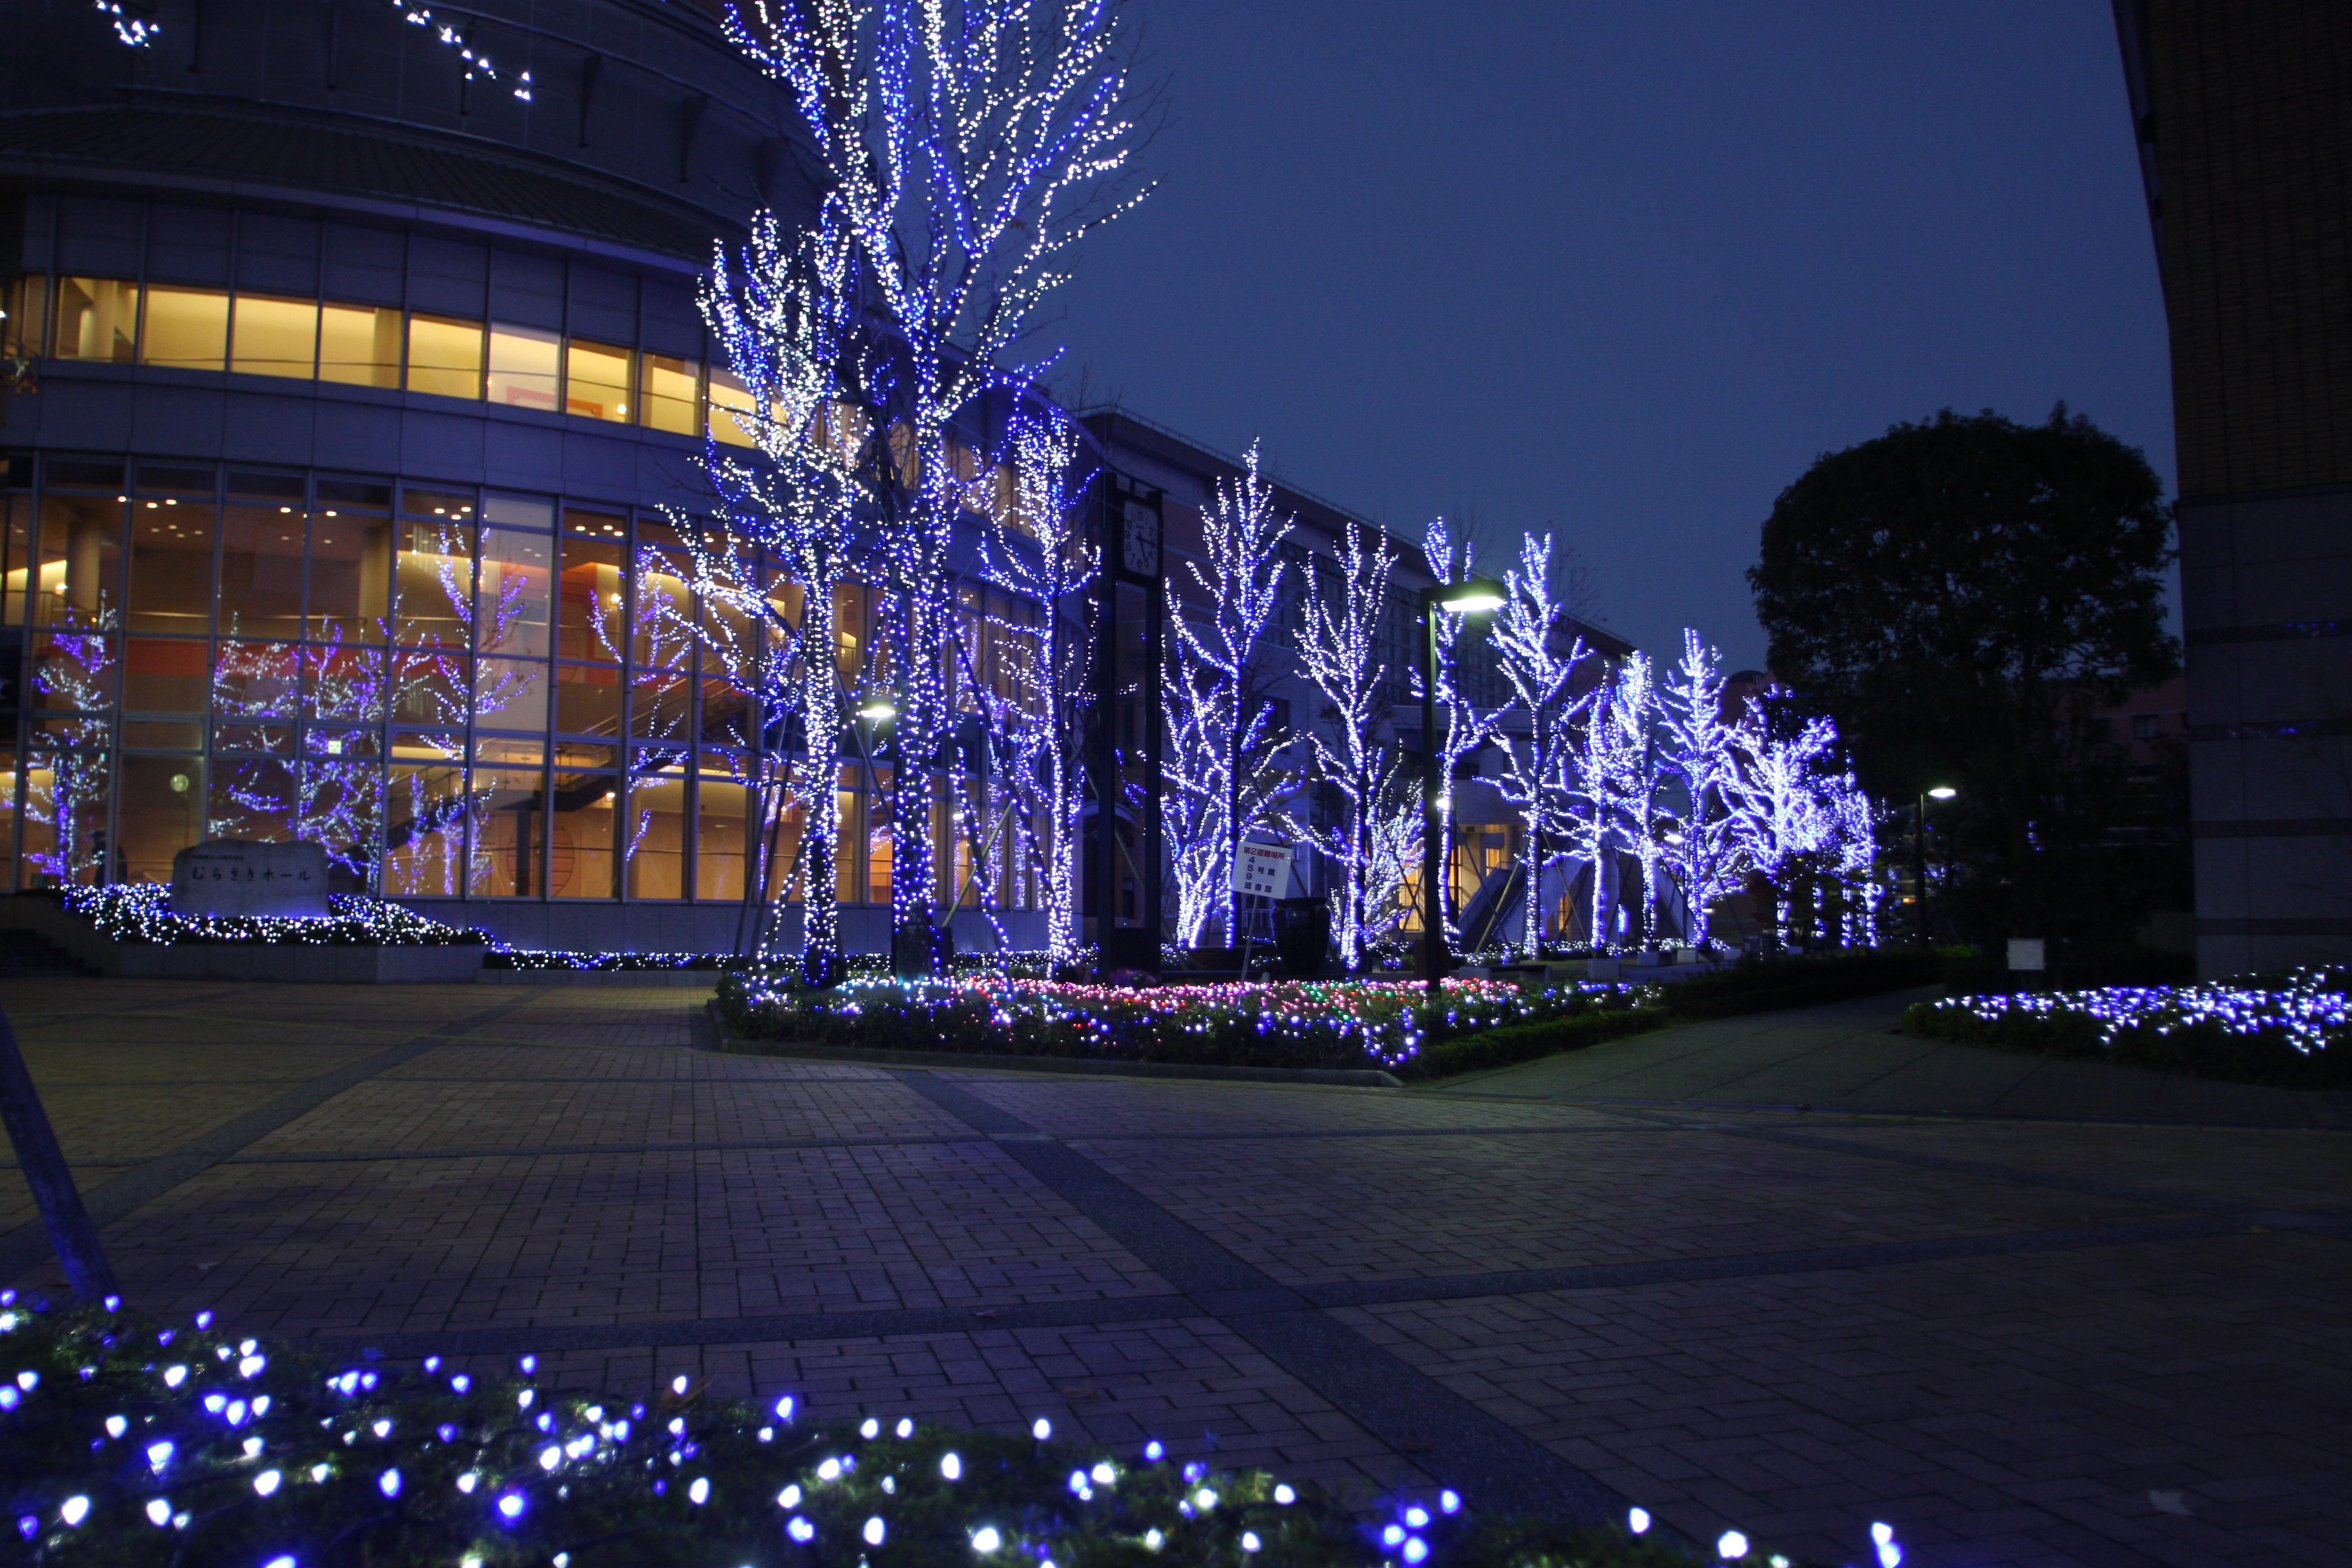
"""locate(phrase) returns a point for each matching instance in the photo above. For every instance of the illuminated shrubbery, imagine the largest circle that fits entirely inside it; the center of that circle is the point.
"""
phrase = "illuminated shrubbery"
(1383, 1024)
(2294, 1028)
(1356, 1023)
(127, 1442)
(142, 912)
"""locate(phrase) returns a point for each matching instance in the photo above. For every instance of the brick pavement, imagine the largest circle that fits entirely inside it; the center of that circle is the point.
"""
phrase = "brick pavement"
(2009, 1336)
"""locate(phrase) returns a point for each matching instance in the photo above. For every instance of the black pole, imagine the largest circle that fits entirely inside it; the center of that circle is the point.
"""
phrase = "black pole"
(1920, 867)
(45, 1171)
(1433, 924)
(1150, 829)
(1106, 747)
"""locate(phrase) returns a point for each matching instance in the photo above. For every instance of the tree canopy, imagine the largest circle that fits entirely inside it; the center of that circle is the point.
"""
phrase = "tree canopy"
(1960, 595)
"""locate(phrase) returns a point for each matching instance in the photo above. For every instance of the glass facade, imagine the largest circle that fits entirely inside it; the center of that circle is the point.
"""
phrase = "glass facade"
(122, 321)
(459, 692)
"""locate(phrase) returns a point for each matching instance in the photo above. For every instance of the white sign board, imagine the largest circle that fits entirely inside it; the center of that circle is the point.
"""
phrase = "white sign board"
(1263, 871)
(247, 877)
(2027, 952)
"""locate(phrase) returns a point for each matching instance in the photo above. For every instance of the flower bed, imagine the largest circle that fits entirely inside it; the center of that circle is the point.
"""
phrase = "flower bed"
(142, 912)
(126, 1442)
(1382, 1024)
(2293, 1029)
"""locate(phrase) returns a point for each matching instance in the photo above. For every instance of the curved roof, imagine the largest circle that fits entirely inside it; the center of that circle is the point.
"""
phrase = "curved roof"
(316, 156)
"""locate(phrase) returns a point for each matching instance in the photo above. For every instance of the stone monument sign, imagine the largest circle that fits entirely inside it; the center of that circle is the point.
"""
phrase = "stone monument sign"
(248, 877)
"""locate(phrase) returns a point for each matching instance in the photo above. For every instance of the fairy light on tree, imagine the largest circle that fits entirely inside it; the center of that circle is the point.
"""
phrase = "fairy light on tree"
(1223, 771)
(1540, 654)
(1780, 812)
(1853, 820)
(1354, 746)
(1702, 851)
(76, 669)
(1635, 778)
(963, 151)
(762, 586)
(1039, 550)
(1462, 729)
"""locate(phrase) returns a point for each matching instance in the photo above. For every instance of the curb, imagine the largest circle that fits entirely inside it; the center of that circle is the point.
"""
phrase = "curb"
(1345, 1078)
(680, 979)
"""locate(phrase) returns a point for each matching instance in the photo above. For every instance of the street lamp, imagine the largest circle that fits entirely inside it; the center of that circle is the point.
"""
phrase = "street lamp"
(1470, 597)
(1920, 856)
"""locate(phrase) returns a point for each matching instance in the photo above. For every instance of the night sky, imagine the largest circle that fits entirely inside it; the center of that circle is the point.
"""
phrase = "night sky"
(1622, 271)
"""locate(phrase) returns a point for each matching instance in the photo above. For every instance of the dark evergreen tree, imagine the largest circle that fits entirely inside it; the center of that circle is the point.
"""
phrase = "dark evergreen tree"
(1961, 596)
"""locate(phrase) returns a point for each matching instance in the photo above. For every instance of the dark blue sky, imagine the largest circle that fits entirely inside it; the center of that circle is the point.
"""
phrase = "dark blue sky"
(1622, 269)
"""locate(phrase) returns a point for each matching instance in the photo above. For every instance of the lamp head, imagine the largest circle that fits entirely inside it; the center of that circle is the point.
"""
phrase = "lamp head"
(878, 707)
(1472, 597)
(1942, 792)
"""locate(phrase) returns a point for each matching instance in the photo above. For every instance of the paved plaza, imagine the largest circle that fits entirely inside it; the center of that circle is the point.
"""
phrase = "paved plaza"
(2033, 1312)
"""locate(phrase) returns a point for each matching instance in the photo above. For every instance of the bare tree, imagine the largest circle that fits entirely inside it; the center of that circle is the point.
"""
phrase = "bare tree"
(1223, 771)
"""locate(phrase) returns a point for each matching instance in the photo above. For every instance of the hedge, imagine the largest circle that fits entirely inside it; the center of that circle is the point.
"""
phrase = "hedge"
(126, 1442)
(2151, 1028)
(1482, 1024)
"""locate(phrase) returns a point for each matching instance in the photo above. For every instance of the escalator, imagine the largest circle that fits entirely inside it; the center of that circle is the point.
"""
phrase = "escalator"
(1495, 901)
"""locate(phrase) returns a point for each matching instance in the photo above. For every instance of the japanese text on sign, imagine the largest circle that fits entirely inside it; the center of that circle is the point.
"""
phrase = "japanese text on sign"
(1263, 871)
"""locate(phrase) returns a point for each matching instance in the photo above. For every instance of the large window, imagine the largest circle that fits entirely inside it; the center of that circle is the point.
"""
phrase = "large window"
(275, 336)
(525, 367)
(359, 345)
(97, 318)
(186, 329)
(122, 321)
(445, 357)
(459, 693)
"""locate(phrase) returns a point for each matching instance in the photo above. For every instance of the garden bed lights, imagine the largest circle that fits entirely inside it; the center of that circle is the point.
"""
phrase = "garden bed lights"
(142, 912)
(2289, 1028)
(126, 1441)
(1381, 1024)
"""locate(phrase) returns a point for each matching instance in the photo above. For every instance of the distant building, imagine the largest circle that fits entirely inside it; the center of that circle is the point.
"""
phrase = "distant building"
(1186, 473)
(2243, 113)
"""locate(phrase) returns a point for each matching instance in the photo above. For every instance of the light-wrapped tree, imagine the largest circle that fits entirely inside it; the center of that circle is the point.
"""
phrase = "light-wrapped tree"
(1702, 852)
(963, 148)
(1462, 727)
(1780, 811)
(1223, 766)
(1540, 652)
(763, 584)
(1039, 550)
(1355, 749)
(1637, 777)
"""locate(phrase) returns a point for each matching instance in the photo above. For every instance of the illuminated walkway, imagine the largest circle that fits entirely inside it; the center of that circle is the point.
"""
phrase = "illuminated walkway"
(2022, 1340)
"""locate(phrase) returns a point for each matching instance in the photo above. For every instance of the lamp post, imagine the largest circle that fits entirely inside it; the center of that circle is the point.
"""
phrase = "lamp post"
(1920, 856)
(1470, 597)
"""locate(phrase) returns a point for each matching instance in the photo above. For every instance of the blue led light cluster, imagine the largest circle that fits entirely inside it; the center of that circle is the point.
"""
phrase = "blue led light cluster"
(142, 912)
(1319, 1023)
(2307, 1009)
(125, 1440)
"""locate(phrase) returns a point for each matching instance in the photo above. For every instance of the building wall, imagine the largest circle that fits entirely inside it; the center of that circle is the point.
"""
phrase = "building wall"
(2244, 115)
(509, 386)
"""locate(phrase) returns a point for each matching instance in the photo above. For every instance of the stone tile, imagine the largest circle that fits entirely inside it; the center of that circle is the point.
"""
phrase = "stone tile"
(2010, 1408)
